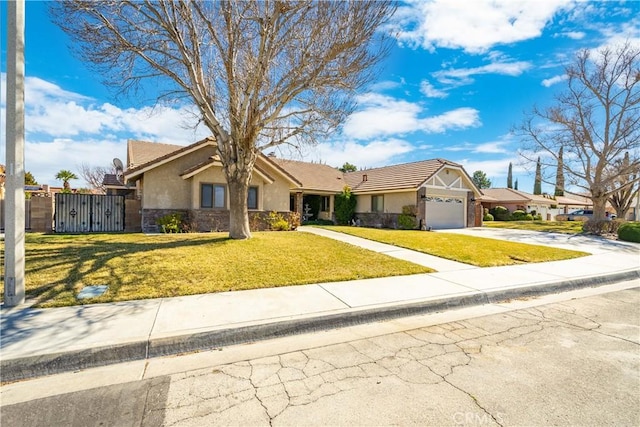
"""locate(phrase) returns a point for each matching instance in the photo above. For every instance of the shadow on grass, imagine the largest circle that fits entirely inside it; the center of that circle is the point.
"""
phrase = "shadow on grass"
(90, 253)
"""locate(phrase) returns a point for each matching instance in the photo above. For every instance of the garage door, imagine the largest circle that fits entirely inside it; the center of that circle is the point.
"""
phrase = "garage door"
(445, 212)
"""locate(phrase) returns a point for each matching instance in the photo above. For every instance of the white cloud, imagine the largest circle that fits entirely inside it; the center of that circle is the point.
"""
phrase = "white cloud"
(64, 129)
(428, 90)
(456, 119)
(574, 35)
(553, 80)
(382, 115)
(490, 148)
(462, 76)
(364, 155)
(473, 26)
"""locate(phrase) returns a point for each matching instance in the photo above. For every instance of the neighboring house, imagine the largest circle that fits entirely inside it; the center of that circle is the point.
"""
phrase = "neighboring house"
(518, 200)
(190, 180)
(544, 205)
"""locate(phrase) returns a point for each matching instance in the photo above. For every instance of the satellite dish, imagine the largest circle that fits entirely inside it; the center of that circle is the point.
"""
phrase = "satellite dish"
(117, 163)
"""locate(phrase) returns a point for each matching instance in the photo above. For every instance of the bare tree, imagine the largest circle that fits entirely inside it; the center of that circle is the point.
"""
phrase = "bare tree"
(623, 197)
(596, 121)
(260, 73)
(94, 175)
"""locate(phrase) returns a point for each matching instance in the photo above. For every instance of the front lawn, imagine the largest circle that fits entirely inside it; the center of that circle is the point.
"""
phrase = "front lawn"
(135, 266)
(477, 251)
(565, 227)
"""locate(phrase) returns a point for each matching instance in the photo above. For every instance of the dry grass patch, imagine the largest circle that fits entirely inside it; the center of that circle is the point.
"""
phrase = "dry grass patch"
(472, 250)
(135, 266)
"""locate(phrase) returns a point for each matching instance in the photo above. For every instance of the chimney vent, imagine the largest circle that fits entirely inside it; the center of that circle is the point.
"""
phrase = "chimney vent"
(364, 178)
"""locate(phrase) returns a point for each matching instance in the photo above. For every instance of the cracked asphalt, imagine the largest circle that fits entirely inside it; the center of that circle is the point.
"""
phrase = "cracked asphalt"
(575, 362)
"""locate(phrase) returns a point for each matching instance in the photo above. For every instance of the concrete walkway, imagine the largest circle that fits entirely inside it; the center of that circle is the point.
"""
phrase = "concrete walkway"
(45, 341)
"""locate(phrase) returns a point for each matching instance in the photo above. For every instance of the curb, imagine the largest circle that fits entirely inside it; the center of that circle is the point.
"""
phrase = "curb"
(48, 364)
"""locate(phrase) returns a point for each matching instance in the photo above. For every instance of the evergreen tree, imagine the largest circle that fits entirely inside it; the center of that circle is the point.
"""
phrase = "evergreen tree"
(537, 185)
(29, 179)
(510, 176)
(516, 186)
(560, 175)
(480, 180)
(348, 167)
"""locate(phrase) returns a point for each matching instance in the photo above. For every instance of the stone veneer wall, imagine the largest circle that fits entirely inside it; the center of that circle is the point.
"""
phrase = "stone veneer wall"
(204, 220)
(378, 220)
(150, 217)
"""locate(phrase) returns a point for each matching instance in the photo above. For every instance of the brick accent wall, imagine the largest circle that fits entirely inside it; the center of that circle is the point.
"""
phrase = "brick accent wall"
(150, 217)
(378, 220)
(206, 220)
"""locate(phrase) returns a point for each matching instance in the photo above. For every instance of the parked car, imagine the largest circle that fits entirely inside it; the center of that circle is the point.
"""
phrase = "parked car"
(581, 215)
(585, 214)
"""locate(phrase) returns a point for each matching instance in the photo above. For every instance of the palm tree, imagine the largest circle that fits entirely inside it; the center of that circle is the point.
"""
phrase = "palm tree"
(65, 176)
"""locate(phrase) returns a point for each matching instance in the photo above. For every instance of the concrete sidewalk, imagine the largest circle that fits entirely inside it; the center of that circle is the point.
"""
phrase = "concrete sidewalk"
(38, 342)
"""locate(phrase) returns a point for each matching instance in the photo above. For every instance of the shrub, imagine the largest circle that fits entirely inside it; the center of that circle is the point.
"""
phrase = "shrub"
(519, 215)
(277, 222)
(602, 226)
(487, 217)
(171, 223)
(538, 217)
(528, 217)
(345, 206)
(500, 213)
(629, 231)
(407, 220)
(294, 220)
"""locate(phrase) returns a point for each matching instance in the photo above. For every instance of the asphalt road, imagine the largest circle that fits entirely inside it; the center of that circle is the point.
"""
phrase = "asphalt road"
(572, 362)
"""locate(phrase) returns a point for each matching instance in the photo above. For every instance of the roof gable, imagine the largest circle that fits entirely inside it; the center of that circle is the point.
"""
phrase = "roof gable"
(171, 152)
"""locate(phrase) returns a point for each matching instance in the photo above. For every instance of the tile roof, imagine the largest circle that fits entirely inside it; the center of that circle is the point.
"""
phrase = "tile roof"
(112, 180)
(141, 152)
(312, 176)
(514, 196)
(395, 177)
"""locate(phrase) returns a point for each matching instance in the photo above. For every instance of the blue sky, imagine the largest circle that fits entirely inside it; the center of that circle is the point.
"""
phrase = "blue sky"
(460, 76)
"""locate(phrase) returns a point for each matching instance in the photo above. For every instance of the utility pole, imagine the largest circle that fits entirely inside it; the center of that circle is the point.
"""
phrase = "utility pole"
(14, 181)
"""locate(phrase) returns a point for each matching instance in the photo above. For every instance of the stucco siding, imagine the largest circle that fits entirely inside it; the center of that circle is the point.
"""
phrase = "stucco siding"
(163, 186)
(393, 202)
(211, 175)
(276, 196)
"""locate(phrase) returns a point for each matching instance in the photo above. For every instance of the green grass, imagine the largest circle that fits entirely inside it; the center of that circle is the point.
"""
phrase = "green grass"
(135, 266)
(477, 251)
(565, 227)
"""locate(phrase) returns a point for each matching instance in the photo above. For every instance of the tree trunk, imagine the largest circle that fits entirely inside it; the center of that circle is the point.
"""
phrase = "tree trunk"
(599, 207)
(238, 211)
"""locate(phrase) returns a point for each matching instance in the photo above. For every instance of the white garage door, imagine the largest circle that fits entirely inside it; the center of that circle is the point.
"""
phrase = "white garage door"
(445, 212)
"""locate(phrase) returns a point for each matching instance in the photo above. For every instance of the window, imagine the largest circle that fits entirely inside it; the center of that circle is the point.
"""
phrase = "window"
(325, 207)
(377, 203)
(213, 196)
(252, 198)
